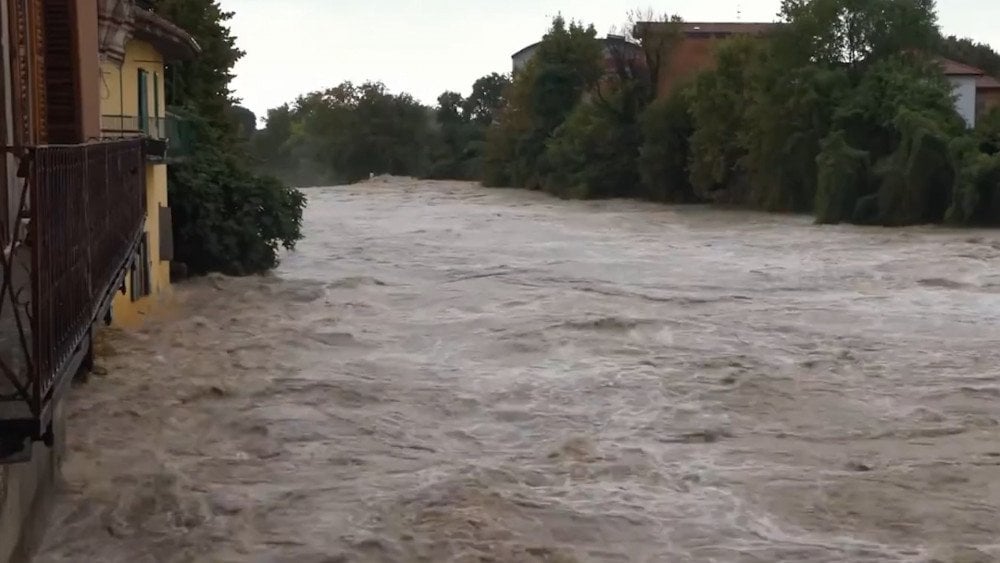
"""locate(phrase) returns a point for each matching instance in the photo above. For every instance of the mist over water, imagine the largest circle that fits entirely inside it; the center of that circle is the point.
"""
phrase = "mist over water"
(447, 373)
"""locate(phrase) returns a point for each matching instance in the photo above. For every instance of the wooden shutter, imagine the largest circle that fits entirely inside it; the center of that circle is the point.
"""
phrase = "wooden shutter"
(63, 118)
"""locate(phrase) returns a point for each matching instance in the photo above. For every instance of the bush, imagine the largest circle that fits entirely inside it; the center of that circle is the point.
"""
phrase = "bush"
(663, 158)
(228, 219)
(976, 193)
(566, 64)
(842, 179)
(917, 178)
(593, 154)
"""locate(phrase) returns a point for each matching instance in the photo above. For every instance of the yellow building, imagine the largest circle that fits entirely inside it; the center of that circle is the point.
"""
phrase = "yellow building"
(137, 47)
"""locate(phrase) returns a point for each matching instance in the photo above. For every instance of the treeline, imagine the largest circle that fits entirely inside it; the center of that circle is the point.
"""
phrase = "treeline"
(842, 111)
(343, 134)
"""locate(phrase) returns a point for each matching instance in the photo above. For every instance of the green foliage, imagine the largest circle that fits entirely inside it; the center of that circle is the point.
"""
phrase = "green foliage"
(663, 158)
(988, 132)
(972, 53)
(843, 173)
(488, 98)
(244, 121)
(976, 194)
(203, 83)
(868, 115)
(788, 115)
(719, 104)
(566, 64)
(345, 133)
(856, 33)
(461, 128)
(593, 155)
(226, 218)
(917, 178)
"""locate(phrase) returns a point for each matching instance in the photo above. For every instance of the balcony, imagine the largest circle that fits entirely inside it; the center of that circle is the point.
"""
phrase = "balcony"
(166, 138)
(70, 238)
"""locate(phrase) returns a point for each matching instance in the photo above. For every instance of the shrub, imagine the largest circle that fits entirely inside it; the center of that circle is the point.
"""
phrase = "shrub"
(228, 219)
(663, 157)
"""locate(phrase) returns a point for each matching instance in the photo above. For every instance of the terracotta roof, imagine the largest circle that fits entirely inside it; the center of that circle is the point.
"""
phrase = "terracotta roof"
(955, 68)
(987, 83)
(711, 28)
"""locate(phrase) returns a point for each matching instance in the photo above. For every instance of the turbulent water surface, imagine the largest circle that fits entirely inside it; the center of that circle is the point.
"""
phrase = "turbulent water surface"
(447, 373)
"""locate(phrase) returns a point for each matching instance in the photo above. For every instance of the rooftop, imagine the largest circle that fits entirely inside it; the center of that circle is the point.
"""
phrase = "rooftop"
(169, 39)
(987, 83)
(708, 28)
(955, 68)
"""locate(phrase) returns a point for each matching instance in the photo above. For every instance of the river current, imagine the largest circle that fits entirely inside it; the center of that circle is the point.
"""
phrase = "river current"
(442, 372)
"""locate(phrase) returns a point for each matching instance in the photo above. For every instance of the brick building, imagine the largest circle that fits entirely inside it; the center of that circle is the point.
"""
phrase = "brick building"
(689, 47)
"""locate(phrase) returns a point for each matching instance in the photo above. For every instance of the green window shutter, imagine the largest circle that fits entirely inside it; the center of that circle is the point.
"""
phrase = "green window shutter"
(143, 101)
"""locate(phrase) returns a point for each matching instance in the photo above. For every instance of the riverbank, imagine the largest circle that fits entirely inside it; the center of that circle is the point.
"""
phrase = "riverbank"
(445, 372)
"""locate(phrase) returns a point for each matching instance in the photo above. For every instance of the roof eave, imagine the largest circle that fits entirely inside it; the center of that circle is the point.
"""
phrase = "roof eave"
(173, 42)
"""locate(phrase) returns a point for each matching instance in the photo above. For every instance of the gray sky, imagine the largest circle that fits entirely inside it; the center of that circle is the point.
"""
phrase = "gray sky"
(425, 47)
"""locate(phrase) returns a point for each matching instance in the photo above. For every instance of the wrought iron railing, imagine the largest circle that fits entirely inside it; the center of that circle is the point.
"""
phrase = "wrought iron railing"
(126, 126)
(83, 207)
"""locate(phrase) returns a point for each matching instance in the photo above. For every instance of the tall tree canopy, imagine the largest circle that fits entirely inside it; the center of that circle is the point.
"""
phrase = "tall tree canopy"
(226, 218)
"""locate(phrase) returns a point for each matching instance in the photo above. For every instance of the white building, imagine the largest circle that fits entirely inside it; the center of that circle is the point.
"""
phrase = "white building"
(974, 90)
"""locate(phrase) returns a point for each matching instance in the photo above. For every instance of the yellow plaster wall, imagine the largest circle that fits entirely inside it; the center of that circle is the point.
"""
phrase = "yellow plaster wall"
(119, 96)
(120, 85)
(125, 312)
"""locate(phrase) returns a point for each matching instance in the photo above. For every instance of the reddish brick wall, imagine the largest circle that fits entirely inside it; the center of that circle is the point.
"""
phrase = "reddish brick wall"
(690, 56)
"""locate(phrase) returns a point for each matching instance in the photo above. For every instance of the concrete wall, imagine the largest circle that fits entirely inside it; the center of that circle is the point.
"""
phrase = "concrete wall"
(26, 495)
(964, 88)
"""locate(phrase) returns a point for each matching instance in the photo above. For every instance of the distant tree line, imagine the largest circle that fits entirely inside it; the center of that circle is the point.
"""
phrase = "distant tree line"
(345, 133)
(841, 112)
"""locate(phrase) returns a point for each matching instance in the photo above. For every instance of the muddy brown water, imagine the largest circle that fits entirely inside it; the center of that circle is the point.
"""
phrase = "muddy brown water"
(447, 373)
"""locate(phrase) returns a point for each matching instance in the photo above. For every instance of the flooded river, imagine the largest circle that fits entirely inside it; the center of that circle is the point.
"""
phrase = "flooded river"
(447, 373)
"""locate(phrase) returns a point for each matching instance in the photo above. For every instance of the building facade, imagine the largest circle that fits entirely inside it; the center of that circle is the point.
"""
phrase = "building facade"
(74, 208)
(136, 47)
(975, 92)
(688, 48)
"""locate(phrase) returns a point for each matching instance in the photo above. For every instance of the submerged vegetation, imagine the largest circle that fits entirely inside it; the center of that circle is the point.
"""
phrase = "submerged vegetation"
(841, 111)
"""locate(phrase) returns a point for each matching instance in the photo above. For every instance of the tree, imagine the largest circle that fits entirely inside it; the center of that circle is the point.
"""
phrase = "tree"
(245, 121)
(347, 132)
(203, 82)
(719, 104)
(226, 218)
(658, 35)
(663, 157)
(488, 98)
(972, 53)
(856, 33)
(566, 65)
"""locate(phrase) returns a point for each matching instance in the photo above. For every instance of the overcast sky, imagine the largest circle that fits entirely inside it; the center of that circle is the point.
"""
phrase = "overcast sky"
(425, 47)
